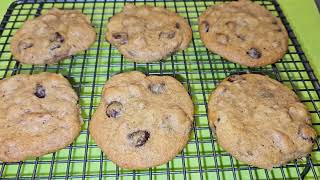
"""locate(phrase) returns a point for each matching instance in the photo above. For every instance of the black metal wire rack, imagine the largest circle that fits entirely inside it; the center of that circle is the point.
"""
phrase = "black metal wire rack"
(199, 70)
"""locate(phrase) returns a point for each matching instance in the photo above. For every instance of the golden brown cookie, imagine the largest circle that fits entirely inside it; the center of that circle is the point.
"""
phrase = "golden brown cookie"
(39, 114)
(52, 37)
(260, 121)
(243, 32)
(142, 121)
(146, 33)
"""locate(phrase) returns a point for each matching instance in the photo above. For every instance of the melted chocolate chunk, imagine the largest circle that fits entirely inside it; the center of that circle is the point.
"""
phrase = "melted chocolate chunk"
(56, 40)
(254, 53)
(40, 91)
(307, 133)
(234, 78)
(206, 26)
(58, 37)
(177, 25)
(120, 37)
(138, 138)
(114, 109)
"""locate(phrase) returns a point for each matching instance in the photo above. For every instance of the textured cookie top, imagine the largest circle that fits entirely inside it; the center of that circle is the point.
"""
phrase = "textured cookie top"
(260, 121)
(146, 33)
(39, 114)
(52, 36)
(142, 121)
(243, 32)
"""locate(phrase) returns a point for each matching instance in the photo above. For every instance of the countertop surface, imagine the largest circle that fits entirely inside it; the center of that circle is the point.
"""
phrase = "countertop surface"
(303, 16)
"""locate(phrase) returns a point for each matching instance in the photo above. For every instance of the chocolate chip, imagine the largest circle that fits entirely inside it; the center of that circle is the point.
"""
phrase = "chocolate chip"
(274, 22)
(157, 88)
(138, 138)
(206, 26)
(40, 91)
(231, 79)
(219, 119)
(234, 78)
(57, 37)
(114, 109)
(167, 35)
(177, 25)
(279, 30)
(120, 37)
(307, 133)
(254, 53)
(25, 44)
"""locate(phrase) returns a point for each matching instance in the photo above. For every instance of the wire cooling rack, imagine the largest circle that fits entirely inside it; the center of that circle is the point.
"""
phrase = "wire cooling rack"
(199, 70)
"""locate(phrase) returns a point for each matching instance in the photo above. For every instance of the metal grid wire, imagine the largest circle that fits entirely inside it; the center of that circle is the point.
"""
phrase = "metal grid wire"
(199, 70)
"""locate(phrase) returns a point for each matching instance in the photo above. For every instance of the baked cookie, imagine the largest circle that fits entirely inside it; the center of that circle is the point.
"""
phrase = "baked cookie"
(243, 32)
(146, 33)
(142, 121)
(52, 37)
(39, 114)
(260, 121)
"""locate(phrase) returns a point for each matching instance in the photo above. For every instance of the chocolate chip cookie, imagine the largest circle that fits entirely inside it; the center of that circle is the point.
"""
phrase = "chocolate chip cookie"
(52, 37)
(39, 114)
(243, 32)
(146, 33)
(260, 121)
(142, 121)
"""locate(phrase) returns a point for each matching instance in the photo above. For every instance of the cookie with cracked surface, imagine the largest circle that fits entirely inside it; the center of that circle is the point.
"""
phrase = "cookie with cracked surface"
(147, 34)
(243, 32)
(260, 121)
(52, 37)
(142, 121)
(35, 110)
